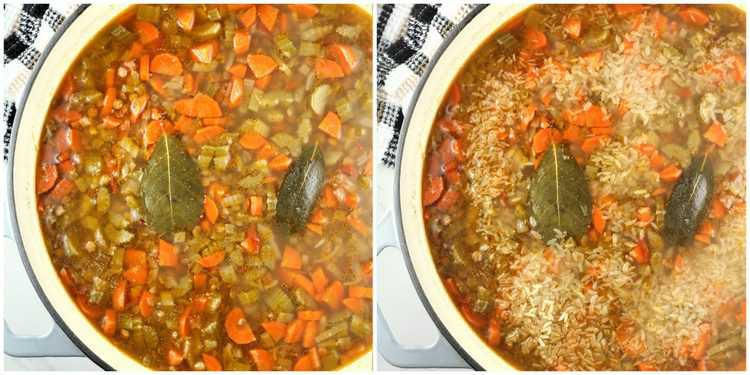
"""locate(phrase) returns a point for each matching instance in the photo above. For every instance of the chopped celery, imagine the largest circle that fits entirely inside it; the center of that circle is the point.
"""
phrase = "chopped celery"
(206, 31)
(309, 49)
(285, 46)
(149, 13)
(278, 301)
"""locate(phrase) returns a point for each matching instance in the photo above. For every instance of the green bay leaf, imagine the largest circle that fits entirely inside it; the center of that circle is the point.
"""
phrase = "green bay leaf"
(688, 204)
(300, 188)
(171, 187)
(559, 196)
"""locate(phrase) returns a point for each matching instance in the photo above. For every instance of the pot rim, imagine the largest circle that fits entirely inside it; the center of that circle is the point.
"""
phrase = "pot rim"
(362, 363)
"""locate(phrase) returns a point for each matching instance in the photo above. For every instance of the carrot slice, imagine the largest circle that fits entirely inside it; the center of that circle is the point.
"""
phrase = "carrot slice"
(263, 359)
(535, 39)
(167, 254)
(694, 16)
(641, 253)
(134, 257)
(208, 133)
(241, 42)
(432, 191)
(345, 55)
(62, 189)
(87, 308)
(183, 322)
(238, 328)
(167, 64)
(46, 178)
(248, 17)
(146, 31)
(212, 363)
(267, 15)
(360, 292)
(331, 125)
(294, 331)
(716, 134)
(280, 163)
(146, 304)
(308, 337)
(304, 363)
(474, 319)
(238, 70)
(201, 105)
(252, 141)
(186, 17)
(212, 211)
(319, 279)
(493, 332)
(291, 258)
(355, 305)
(257, 205)
(598, 220)
(309, 314)
(333, 295)
(205, 52)
(628, 9)
(252, 240)
(304, 10)
(236, 92)
(109, 322)
(572, 27)
(200, 280)
(137, 274)
(109, 100)
(325, 68)
(118, 295)
(671, 173)
(261, 65)
(277, 330)
(213, 259)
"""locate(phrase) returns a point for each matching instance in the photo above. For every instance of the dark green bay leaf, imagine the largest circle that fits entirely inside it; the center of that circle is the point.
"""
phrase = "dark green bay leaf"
(559, 196)
(688, 204)
(171, 187)
(300, 188)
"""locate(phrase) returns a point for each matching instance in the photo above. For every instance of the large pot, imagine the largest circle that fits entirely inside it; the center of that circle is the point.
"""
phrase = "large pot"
(73, 330)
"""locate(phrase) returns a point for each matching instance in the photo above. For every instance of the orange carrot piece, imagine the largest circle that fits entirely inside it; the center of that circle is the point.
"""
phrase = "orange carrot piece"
(304, 10)
(598, 220)
(325, 69)
(694, 16)
(144, 70)
(88, 308)
(238, 328)
(257, 205)
(261, 65)
(432, 190)
(355, 305)
(167, 254)
(304, 363)
(251, 140)
(146, 304)
(295, 331)
(319, 279)
(186, 17)
(248, 17)
(236, 92)
(213, 259)
(331, 125)
(211, 209)
(238, 70)
(641, 253)
(167, 64)
(62, 189)
(207, 133)
(134, 257)
(241, 42)
(345, 55)
(535, 39)
(291, 258)
(267, 15)
(46, 178)
(308, 337)
(671, 173)
(276, 330)
(263, 359)
(146, 31)
(628, 9)
(572, 27)
(119, 294)
(309, 314)
(360, 292)
(212, 363)
(474, 319)
(716, 134)
(493, 332)
(262, 83)
(109, 322)
(174, 357)
(280, 163)
(137, 274)
(333, 295)
(205, 52)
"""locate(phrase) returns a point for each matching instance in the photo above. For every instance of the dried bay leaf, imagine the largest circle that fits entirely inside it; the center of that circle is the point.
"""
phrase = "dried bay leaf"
(688, 204)
(300, 188)
(559, 196)
(171, 187)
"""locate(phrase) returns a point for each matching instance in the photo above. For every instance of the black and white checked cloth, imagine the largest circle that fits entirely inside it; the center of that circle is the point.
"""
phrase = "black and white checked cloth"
(27, 28)
(408, 35)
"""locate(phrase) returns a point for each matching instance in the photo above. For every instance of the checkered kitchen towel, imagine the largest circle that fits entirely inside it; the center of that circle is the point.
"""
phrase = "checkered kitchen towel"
(27, 28)
(408, 37)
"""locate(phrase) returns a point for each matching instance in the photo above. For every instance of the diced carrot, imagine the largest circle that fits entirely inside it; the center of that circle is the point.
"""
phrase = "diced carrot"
(183, 322)
(716, 134)
(454, 96)
(213, 259)
(355, 305)
(331, 125)
(641, 253)
(535, 39)
(474, 319)
(333, 295)
(146, 304)
(345, 55)
(325, 69)
(241, 42)
(295, 331)
(109, 77)
(694, 16)
(174, 357)
(62, 189)
(216, 121)
(277, 330)
(200, 280)
(199, 106)
(590, 144)
(572, 27)
(291, 258)
(212, 363)
(628, 9)
(67, 279)
(154, 130)
(261, 65)
(46, 178)
(205, 52)
(137, 274)
(252, 240)
(671, 173)
(541, 141)
(167, 64)
(718, 210)
(248, 17)
(134, 257)
(660, 23)
(319, 279)
(257, 205)
(167, 254)
(646, 366)
(644, 215)
(118, 295)
(262, 83)
(572, 134)
(304, 10)
(360, 292)
(87, 308)
(146, 31)
(357, 224)
(207, 133)
(263, 359)
(280, 163)
(309, 314)
(311, 330)
(353, 353)
(109, 322)
(238, 327)
(134, 52)
(238, 70)
(186, 17)
(251, 140)
(267, 15)
(598, 219)
(211, 209)
(144, 71)
(493, 332)
(304, 363)
(704, 339)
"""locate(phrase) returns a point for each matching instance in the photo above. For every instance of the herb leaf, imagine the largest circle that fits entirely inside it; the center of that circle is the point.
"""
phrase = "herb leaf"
(301, 188)
(171, 187)
(559, 195)
(688, 204)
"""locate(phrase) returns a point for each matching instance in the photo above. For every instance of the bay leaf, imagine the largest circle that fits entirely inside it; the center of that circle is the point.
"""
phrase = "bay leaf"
(171, 187)
(559, 195)
(301, 188)
(688, 204)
